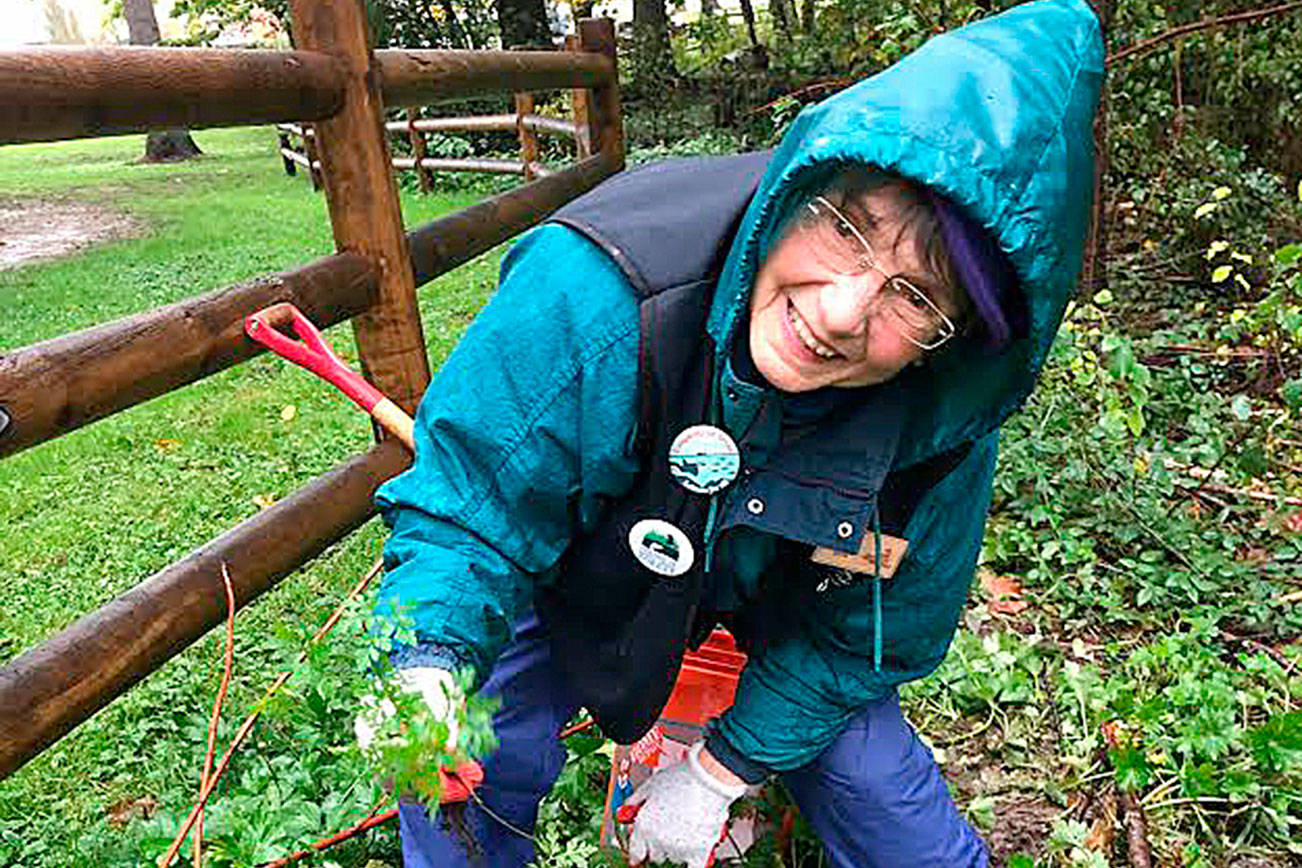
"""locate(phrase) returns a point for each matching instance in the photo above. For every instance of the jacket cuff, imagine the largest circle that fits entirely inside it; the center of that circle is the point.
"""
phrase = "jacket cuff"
(730, 758)
(425, 656)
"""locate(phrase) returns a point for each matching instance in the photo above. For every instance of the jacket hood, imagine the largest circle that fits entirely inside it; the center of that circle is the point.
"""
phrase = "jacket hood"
(998, 117)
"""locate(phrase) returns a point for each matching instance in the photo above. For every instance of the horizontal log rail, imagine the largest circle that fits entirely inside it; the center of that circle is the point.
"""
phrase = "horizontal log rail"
(300, 159)
(480, 123)
(48, 690)
(63, 93)
(55, 386)
(470, 164)
(421, 77)
(443, 244)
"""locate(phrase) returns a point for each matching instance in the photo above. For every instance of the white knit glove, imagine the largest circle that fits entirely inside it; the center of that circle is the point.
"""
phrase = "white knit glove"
(682, 815)
(438, 687)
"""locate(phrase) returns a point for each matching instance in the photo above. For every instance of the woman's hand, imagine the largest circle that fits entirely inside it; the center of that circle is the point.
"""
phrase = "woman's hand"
(682, 810)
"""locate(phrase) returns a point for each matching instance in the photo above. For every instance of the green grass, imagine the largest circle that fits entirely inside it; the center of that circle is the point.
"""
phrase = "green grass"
(89, 515)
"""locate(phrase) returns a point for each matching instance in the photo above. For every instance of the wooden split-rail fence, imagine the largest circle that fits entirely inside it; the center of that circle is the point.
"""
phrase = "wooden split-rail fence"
(297, 141)
(338, 83)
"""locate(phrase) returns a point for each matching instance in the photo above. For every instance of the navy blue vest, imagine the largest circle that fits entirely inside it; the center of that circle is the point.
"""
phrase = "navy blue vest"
(619, 631)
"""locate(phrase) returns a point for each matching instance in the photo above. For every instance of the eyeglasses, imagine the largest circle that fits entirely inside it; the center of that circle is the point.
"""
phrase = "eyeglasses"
(839, 245)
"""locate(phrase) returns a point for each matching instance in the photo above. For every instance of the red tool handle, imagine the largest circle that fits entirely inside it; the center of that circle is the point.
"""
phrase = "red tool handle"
(309, 350)
(460, 782)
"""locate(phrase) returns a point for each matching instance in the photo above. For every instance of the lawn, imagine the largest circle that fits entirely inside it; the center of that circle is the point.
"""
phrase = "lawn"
(90, 514)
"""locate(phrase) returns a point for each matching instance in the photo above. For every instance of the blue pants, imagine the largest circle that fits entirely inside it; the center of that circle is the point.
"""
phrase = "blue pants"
(875, 796)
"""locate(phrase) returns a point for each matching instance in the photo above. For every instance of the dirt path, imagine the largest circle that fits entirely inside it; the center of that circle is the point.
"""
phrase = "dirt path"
(36, 229)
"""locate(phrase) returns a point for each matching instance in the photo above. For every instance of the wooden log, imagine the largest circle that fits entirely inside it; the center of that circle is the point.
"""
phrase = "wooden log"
(544, 124)
(50, 689)
(443, 244)
(56, 386)
(287, 153)
(421, 77)
(467, 164)
(314, 160)
(363, 200)
(64, 93)
(528, 139)
(293, 158)
(418, 150)
(581, 100)
(474, 123)
(485, 123)
(597, 37)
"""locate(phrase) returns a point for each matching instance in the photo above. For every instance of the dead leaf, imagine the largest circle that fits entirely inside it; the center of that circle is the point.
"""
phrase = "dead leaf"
(166, 443)
(288, 412)
(1003, 592)
(1292, 524)
(124, 811)
(264, 500)
(1255, 556)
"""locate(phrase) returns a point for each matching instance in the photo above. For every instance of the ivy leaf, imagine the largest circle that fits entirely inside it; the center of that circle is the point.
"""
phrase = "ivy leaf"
(1102, 297)
(1221, 273)
(1204, 209)
(1221, 193)
(1241, 407)
(1288, 254)
(1292, 393)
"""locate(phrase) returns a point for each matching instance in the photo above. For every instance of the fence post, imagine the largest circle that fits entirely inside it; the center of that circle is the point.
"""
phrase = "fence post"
(528, 138)
(605, 122)
(418, 150)
(579, 98)
(291, 168)
(308, 135)
(363, 199)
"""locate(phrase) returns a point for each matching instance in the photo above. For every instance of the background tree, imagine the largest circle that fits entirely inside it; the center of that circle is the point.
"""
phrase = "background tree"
(652, 58)
(160, 145)
(523, 23)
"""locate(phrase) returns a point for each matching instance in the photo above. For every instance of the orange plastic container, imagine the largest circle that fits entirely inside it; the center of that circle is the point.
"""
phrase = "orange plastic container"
(706, 686)
(707, 682)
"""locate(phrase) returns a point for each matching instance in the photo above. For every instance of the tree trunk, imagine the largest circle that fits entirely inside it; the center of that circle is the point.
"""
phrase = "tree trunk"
(783, 12)
(523, 24)
(160, 145)
(807, 16)
(748, 13)
(653, 62)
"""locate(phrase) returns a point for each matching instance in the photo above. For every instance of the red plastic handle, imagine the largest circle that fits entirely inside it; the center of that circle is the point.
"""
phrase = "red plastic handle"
(310, 350)
(460, 782)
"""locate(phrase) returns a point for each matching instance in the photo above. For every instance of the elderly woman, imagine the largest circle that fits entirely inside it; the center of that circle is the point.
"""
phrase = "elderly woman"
(762, 391)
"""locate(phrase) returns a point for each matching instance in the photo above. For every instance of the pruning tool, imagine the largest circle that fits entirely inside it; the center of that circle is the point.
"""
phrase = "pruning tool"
(307, 348)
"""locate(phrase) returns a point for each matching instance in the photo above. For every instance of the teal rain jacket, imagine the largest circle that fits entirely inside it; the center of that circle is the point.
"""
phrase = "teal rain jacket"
(528, 428)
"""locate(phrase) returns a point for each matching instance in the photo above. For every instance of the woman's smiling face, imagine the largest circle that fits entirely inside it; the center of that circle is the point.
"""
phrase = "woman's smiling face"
(812, 326)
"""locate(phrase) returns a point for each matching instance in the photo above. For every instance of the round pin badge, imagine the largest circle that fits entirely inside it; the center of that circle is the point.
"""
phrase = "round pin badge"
(661, 547)
(704, 459)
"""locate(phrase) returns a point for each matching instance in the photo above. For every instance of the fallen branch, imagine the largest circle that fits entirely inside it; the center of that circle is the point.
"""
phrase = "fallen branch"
(372, 820)
(247, 726)
(1260, 496)
(1132, 811)
(1197, 26)
(217, 708)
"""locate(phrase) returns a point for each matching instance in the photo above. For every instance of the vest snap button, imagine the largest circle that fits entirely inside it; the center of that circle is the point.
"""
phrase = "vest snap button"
(844, 529)
(755, 505)
(732, 394)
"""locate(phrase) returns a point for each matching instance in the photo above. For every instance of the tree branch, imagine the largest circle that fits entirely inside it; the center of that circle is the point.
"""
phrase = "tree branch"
(1183, 30)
